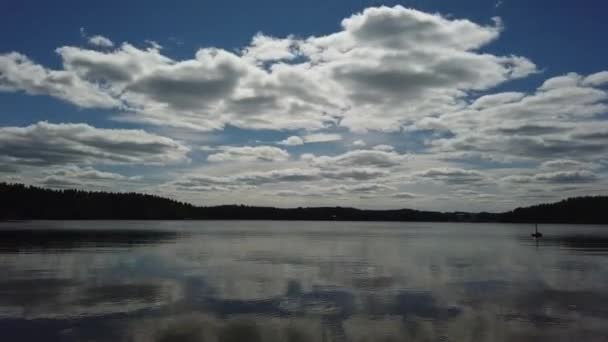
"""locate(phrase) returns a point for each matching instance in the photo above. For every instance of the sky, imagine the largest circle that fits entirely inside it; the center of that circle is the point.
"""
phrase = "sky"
(426, 104)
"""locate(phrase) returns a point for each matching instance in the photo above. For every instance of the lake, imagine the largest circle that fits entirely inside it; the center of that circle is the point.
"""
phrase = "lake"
(301, 281)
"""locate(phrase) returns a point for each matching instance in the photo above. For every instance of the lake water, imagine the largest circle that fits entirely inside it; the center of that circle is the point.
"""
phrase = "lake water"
(301, 281)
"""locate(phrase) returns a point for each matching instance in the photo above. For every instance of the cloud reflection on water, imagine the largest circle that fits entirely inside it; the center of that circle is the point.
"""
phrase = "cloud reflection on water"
(392, 284)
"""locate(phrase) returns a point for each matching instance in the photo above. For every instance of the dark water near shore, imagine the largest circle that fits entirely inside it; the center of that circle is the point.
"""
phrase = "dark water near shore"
(301, 281)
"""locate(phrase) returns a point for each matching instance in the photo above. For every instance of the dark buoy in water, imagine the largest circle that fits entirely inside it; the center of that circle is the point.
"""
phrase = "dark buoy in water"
(536, 234)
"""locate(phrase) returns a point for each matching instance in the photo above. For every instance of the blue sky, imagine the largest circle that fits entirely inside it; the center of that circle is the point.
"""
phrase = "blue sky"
(464, 105)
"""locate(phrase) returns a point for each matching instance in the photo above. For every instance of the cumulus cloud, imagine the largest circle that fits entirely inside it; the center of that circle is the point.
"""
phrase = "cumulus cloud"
(398, 56)
(71, 176)
(450, 175)
(321, 137)
(295, 140)
(254, 178)
(353, 166)
(358, 173)
(289, 175)
(406, 195)
(264, 48)
(115, 68)
(558, 177)
(399, 27)
(362, 190)
(100, 41)
(19, 73)
(358, 158)
(248, 153)
(385, 67)
(383, 147)
(359, 143)
(46, 143)
(191, 85)
(562, 119)
(415, 77)
(560, 164)
(597, 79)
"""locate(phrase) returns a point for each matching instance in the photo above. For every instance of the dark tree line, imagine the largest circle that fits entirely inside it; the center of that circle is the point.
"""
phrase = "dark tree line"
(589, 209)
(18, 201)
(28, 202)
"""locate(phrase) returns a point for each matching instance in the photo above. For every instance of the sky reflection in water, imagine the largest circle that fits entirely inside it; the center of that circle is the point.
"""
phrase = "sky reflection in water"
(301, 281)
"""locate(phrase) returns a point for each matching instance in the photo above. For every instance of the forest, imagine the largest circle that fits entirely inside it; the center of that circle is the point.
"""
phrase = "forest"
(22, 202)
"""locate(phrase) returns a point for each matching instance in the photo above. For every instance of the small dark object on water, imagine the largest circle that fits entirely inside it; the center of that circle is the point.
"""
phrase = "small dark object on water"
(536, 234)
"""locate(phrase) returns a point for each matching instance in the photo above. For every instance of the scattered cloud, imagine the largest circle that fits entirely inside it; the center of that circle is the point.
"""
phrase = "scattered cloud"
(383, 147)
(295, 140)
(557, 177)
(71, 176)
(561, 164)
(562, 119)
(359, 143)
(248, 153)
(362, 190)
(385, 67)
(292, 141)
(359, 158)
(264, 48)
(321, 137)
(100, 41)
(452, 176)
(353, 166)
(422, 84)
(19, 73)
(406, 195)
(44, 144)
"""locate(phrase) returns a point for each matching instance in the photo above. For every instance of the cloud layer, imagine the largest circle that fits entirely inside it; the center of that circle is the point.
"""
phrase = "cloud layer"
(397, 107)
(385, 68)
(45, 144)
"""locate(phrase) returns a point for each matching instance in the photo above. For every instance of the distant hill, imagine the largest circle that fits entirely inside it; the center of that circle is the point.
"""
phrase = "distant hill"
(18, 202)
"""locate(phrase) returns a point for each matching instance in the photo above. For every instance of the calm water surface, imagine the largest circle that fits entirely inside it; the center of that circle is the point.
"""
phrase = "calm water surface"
(301, 281)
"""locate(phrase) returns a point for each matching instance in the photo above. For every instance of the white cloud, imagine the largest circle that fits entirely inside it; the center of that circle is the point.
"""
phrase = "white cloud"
(19, 73)
(248, 153)
(398, 28)
(355, 166)
(597, 79)
(386, 67)
(72, 176)
(560, 177)
(565, 81)
(44, 144)
(561, 164)
(361, 190)
(278, 176)
(421, 82)
(321, 137)
(359, 158)
(310, 139)
(407, 195)
(383, 147)
(100, 41)
(293, 140)
(562, 119)
(264, 48)
(449, 175)
(359, 143)
(115, 68)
